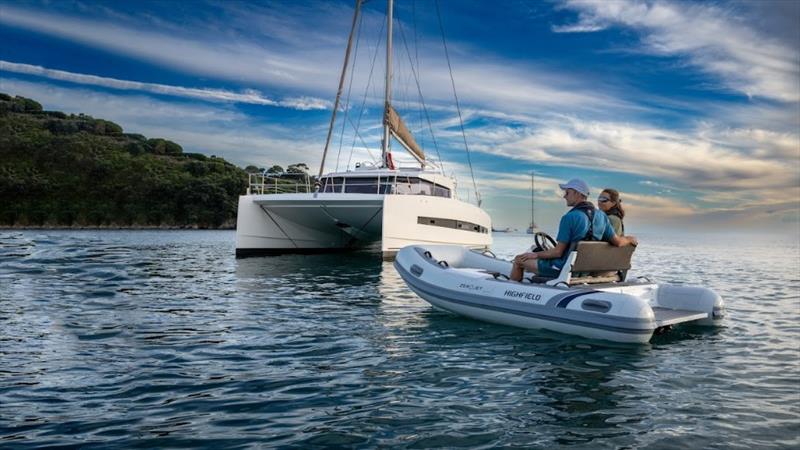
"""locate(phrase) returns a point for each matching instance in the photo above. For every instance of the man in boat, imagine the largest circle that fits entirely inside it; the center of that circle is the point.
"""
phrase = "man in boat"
(582, 223)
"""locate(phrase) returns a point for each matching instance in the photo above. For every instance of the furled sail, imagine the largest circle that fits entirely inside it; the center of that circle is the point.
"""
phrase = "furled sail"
(402, 134)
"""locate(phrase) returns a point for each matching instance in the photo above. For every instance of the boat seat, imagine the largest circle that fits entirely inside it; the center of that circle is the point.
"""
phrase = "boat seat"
(592, 262)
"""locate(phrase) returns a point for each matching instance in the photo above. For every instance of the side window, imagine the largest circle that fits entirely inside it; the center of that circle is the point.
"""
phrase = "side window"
(404, 185)
(386, 185)
(425, 187)
(332, 184)
(441, 191)
(417, 186)
(361, 186)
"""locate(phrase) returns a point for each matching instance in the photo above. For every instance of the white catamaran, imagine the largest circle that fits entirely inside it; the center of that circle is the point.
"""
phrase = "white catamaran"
(373, 204)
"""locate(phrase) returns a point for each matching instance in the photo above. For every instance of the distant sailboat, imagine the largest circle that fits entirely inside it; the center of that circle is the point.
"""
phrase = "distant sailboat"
(533, 228)
(373, 204)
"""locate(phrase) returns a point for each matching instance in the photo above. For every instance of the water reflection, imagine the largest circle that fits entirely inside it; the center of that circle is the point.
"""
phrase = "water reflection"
(159, 339)
(563, 385)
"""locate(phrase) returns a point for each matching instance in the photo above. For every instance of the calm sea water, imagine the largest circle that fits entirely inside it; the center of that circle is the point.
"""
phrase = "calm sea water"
(157, 339)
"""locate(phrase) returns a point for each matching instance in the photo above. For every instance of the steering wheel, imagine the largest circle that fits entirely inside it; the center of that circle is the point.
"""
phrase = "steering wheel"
(543, 241)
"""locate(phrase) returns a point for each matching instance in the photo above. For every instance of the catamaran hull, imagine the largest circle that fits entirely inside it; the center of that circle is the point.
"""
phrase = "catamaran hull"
(627, 313)
(325, 222)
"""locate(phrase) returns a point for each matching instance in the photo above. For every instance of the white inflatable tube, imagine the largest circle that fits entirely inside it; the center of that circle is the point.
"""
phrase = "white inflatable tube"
(459, 280)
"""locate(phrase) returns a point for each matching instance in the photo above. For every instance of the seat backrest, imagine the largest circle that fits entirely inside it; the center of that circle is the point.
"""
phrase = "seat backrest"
(591, 262)
(598, 256)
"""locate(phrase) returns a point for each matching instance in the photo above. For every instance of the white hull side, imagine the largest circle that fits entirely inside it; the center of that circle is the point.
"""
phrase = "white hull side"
(401, 226)
(516, 320)
(280, 223)
(316, 222)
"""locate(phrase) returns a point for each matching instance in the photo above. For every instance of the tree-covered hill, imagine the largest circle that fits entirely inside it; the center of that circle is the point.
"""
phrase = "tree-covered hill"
(61, 169)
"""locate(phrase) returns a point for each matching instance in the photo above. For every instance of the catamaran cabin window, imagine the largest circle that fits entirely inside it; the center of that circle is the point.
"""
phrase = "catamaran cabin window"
(413, 186)
(361, 186)
(441, 191)
(423, 187)
(332, 184)
(403, 185)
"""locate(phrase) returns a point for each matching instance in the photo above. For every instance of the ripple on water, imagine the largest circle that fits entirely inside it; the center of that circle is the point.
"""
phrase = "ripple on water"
(162, 338)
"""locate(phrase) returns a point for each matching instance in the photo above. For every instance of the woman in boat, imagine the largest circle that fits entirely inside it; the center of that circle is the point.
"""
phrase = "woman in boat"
(610, 203)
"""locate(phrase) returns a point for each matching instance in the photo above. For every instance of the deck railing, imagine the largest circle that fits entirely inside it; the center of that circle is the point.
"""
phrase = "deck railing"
(260, 184)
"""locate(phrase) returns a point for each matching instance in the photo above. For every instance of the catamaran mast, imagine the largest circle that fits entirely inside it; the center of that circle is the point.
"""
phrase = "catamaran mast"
(388, 86)
(341, 86)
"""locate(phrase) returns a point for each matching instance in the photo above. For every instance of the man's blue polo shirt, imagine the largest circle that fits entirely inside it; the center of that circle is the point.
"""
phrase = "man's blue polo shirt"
(574, 226)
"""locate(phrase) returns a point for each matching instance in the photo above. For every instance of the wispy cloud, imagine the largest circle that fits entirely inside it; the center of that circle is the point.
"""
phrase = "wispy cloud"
(284, 67)
(205, 128)
(582, 27)
(250, 96)
(307, 69)
(713, 38)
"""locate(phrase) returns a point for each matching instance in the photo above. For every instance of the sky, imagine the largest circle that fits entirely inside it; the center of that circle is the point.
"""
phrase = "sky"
(690, 109)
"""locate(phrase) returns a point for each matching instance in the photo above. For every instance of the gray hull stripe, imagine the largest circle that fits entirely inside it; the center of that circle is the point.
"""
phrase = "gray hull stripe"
(634, 326)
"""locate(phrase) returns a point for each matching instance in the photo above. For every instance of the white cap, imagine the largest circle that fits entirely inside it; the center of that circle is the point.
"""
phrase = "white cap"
(577, 184)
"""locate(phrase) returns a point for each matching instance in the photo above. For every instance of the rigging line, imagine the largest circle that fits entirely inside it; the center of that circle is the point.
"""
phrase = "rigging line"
(366, 147)
(349, 90)
(364, 101)
(353, 239)
(341, 85)
(416, 59)
(422, 99)
(370, 219)
(458, 107)
(279, 227)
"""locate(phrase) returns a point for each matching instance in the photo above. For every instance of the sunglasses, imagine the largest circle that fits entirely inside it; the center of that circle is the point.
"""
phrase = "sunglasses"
(603, 199)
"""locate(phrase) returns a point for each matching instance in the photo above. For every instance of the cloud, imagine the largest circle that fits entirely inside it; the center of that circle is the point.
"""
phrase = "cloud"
(713, 38)
(250, 96)
(707, 158)
(206, 128)
(297, 67)
(303, 67)
(581, 27)
(727, 154)
(643, 210)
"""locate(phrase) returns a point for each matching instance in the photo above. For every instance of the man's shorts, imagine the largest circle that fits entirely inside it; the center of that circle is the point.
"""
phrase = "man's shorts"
(546, 269)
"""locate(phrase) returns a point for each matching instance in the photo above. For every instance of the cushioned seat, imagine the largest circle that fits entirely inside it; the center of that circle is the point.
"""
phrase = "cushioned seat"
(593, 262)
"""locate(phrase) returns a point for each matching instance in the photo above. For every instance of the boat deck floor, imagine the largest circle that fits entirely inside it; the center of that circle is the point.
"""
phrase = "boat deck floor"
(666, 316)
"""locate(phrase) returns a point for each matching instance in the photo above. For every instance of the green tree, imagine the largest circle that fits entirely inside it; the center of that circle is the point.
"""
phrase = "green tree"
(76, 170)
(297, 168)
(276, 170)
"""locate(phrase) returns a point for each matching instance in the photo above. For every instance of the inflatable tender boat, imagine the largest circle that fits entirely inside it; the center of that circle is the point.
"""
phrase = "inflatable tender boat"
(590, 298)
